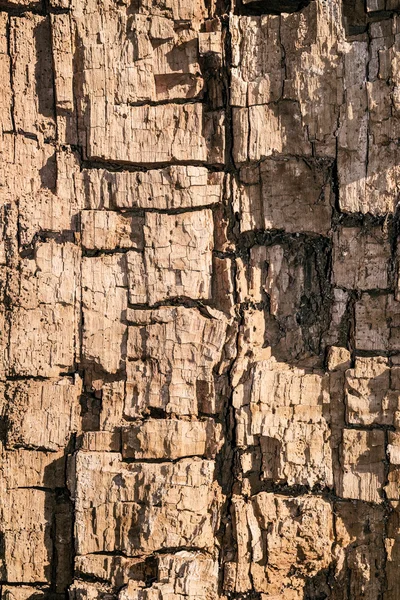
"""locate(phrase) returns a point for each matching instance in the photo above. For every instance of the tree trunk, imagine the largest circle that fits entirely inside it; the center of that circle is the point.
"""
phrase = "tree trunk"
(200, 313)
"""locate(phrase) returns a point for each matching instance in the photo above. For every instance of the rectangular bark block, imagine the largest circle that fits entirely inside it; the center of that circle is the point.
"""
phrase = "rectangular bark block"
(392, 487)
(28, 184)
(259, 132)
(377, 323)
(104, 301)
(361, 259)
(26, 522)
(150, 53)
(273, 534)
(109, 230)
(154, 134)
(116, 570)
(360, 537)
(363, 468)
(286, 411)
(257, 73)
(367, 151)
(183, 574)
(62, 43)
(169, 188)
(291, 194)
(43, 414)
(172, 354)
(267, 52)
(45, 318)
(24, 592)
(140, 508)
(54, 203)
(171, 439)
(31, 63)
(297, 314)
(177, 258)
(21, 468)
(372, 394)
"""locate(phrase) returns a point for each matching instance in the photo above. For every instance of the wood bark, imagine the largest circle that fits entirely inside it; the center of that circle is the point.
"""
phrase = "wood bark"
(199, 300)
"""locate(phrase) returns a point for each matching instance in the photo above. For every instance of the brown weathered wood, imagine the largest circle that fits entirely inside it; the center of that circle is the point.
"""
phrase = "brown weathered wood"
(199, 300)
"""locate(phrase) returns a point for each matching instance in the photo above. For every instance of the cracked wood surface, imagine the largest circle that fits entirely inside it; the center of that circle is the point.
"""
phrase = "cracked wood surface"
(199, 300)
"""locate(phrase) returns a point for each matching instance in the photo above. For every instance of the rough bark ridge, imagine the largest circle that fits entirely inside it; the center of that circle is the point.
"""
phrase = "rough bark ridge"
(200, 307)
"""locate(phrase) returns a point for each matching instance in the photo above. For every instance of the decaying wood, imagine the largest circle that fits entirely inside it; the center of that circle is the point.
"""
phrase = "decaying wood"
(199, 300)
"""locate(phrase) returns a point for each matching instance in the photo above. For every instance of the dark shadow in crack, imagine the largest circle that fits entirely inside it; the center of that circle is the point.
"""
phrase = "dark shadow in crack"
(43, 69)
(269, 7)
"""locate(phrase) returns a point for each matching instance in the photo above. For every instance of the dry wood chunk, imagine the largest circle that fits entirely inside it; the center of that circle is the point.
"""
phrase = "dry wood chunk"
(62, 40)
(313, 70)
(26, 516)
(353, 134)
(45, 316)
(287, 70)
(105, 300)
(223, 284)
(394, 447)
(361, 259)
(43, 414)
(169, 188)
(292, 194)
(43, 182)
(100, 441)
(371, 394)
(246, 198)
(292, 279)
(178, 255)
(17, 152)
(360, 551)
(338, 359)
(54, 205)
(296, 195)
(109, 230)
(6, 123)
(63, 36)
(171, 439)
(362, 465)
(257, 73)
(33, 104)
(190, 574)
(116, 570)
(177, 9)
(22, 468)
(155, 134)
(392, 487)
(139, 508)
(145, 53)
(24, 592)
(82, 590)
(377, 323)
(172, 353)
(259, 132)
(368, 156)
(112, 405)
(274, 534)
(286, 411)
(183, 575)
